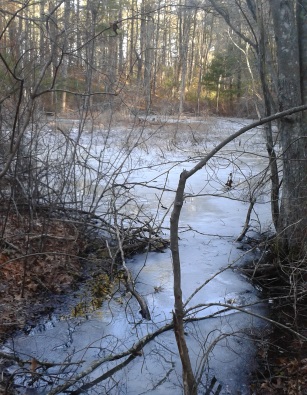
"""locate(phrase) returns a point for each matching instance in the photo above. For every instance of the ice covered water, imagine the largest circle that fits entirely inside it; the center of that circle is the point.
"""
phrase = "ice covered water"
(212, 217)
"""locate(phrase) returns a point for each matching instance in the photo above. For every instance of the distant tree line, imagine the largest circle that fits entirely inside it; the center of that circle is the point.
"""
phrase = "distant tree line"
(182, 53)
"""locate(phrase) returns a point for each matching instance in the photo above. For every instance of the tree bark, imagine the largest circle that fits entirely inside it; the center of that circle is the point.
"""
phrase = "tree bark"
(275, 183)
(292, 224)
(189, 382)
(185, 26)
(148, 57)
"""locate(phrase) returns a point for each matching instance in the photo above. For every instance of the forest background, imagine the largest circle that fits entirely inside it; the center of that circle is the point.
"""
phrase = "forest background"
(179, 57)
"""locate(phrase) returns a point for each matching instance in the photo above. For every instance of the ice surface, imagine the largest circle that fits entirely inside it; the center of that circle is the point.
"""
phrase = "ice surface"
(212, 217)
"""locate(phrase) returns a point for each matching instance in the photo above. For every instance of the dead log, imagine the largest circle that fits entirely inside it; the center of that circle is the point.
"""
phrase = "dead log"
(260, 270)
(211, 390)
(140, 245)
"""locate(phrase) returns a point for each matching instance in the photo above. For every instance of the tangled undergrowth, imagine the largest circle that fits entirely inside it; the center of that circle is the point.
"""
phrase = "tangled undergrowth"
(282, 355)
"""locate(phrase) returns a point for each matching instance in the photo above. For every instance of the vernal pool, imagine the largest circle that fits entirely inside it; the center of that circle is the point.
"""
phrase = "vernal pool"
(221, 349)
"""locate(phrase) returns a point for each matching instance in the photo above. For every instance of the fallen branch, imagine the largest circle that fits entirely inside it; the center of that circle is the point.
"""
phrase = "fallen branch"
(259, 270)
(134, 351)
(129, 283)
(130, 288)
(105, 376)
(150, 243)
(248, 217)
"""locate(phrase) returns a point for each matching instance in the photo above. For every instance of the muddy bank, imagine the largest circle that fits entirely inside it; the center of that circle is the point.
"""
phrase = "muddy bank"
(282, 351)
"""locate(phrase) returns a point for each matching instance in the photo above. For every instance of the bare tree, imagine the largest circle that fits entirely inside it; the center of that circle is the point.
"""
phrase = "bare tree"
(190, 384)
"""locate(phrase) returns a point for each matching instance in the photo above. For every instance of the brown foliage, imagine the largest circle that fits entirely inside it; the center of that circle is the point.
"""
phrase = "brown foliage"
(34, 265)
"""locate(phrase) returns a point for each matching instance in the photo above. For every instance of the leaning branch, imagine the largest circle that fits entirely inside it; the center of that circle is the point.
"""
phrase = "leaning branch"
(189, 381)
(248, 217)
(129, 283)
(241, 131)
(135, 350)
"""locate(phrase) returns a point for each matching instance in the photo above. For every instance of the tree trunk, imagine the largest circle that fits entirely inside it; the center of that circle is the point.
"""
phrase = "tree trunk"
(302, 34)
(148, 56)
(185, 25)
(262, 51)
(189, 382)
(67, 12)
(292, 225)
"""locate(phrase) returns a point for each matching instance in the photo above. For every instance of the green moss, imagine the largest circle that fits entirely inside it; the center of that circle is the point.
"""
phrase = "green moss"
(100, 286)
(97, 290)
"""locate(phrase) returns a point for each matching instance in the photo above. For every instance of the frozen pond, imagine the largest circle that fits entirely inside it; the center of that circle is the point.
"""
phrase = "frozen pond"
(211, 220)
